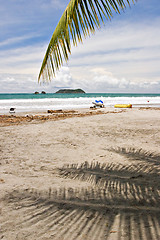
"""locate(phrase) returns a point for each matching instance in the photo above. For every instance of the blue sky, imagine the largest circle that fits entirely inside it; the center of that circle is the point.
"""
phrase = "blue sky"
(123, 56)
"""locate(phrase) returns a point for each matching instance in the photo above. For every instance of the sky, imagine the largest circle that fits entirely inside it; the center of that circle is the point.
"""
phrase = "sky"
(123, 56)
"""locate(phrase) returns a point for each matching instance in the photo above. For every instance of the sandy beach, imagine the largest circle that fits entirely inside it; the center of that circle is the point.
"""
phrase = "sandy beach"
(80, 175)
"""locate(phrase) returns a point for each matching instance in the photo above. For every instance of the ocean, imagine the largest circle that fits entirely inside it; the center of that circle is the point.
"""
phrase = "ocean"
(26, 102)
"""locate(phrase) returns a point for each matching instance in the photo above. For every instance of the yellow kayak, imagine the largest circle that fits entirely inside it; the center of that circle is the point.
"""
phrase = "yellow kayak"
(123, 106)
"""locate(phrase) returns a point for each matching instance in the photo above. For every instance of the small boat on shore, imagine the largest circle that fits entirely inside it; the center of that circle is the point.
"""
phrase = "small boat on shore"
(98, 103)
(123, 105)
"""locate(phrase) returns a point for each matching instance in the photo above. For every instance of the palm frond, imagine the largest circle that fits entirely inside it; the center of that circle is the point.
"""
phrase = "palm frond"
(79, 19)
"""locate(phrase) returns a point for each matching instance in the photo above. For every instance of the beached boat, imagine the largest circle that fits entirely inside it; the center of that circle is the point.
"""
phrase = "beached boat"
(123, 105)
(98, 103)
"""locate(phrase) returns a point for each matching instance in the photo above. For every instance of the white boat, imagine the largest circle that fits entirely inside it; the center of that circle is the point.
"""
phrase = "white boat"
(98, 103)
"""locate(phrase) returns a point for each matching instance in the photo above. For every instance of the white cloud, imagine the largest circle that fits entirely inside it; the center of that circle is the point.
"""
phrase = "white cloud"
(99, 80)
(121, 36)
(25, 60)
(55, 4)
(16, 40)
(22, 81)
(63, 78)
(130, 51)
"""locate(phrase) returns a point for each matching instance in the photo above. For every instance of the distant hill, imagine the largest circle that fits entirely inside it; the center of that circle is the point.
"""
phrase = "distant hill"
(70, 91)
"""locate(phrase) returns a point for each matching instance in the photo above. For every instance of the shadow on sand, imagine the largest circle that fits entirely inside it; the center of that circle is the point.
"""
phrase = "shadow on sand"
(122, 203)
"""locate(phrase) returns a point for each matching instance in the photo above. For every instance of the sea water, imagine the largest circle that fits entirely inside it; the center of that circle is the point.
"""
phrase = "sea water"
(26, 102)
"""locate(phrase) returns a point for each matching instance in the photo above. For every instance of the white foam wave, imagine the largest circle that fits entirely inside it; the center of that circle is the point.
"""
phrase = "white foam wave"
(23, 105)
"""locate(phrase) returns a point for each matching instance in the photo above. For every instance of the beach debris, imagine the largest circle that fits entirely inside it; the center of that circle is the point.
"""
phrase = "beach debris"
(113, 231)
(149, 108)
(55, 111)
(61, 111)
(2, 180)
(12, 110)
(6, 120)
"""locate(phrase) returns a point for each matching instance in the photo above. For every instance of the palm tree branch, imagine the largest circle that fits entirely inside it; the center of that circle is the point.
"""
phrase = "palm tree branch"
(100, 9)
(80, 17)
(82, 23)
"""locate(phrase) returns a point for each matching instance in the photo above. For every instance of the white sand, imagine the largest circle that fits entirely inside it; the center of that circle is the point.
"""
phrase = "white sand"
(114, 201)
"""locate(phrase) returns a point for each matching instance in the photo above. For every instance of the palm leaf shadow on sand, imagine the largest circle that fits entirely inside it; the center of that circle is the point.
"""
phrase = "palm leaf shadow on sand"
(112, 175)
(138, 154)
(123, 201)
(90, 213)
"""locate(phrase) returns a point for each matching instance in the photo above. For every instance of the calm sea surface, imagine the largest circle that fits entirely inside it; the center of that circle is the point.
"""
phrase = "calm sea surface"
(25, 102)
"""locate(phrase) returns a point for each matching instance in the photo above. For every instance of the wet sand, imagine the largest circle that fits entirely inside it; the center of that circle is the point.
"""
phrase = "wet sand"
(83, 175)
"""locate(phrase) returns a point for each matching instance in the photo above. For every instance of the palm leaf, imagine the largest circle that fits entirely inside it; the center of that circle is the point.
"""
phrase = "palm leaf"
(79, 18)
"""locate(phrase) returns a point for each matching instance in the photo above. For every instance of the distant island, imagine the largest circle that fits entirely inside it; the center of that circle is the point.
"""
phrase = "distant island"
(43, 92)
(70, 91)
